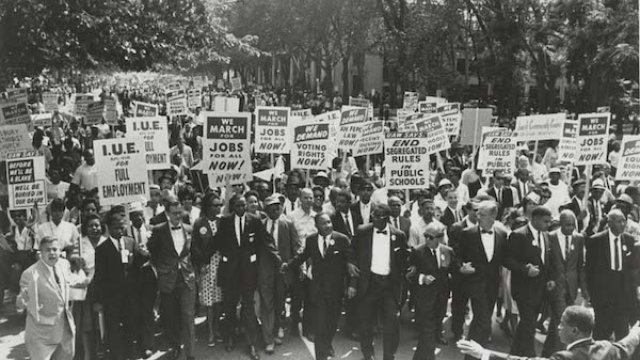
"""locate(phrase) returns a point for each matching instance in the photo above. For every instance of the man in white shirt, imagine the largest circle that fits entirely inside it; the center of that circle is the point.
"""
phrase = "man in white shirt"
(559, 193)
(418, 228)
(86, 176)
(304, 217)
(440, 198)
(66, 233)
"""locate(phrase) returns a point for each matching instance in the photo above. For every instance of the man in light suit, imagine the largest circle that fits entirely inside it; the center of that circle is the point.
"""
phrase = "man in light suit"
(481, 253)
(380, 253)
(431, 264)
(114, 287)
(44, 294)
(272, 284)
(330, 252)
(567, 248)
(169, 247)
(532, 275)
(611, 263)
(575, 330)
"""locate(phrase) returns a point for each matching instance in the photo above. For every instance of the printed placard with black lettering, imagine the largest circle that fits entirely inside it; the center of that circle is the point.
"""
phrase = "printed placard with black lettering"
(629, 165)
(593, 134)
(26, 182)
(15, 113)
(406, 160)
(122, 171)
(14, 138)
(272, 130)
(154, 131)
(81, 103)
(372, 139)
(351, 120)
(227, 148)
(141, 109)
(568, 145)
(176, 102)
(312, 148)
(498, 151)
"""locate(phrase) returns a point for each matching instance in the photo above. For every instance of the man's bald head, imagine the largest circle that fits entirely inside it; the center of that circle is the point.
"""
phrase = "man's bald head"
(567, 222)
(616, 221)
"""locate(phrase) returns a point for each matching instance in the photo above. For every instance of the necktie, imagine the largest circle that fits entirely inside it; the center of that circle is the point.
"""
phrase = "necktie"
(273, 227)
(567, 246)
(540, 245)
(381, 232)
(395, 223)
(175, 228)
(616, 256)
(490, 232)
(499, 195)
(55, 276)
(241, 230)
(347, 224)
(324, 247)
(435, 257)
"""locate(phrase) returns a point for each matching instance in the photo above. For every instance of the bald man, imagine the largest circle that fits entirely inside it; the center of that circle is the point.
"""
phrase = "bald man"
(610, 263)
(567, 248)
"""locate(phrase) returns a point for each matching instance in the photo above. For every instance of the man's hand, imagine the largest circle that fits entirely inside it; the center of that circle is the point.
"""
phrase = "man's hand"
(353, 270)
(284, 267)
(411, 273)
(351, 292)
(467, 268)
(426, 279)
(471, 348)
(532, 270)
(97, 307)
(551, 285)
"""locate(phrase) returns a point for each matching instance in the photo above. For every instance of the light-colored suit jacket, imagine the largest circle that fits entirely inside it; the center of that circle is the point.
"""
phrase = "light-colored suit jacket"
(46, 303)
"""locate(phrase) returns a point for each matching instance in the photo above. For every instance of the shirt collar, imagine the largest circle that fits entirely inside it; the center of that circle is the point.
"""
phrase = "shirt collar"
(612, 236)
(577, 342)
(468, 222)
(534, 232)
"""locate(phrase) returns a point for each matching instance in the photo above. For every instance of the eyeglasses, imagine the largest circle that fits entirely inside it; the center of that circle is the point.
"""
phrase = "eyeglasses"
(436, 236)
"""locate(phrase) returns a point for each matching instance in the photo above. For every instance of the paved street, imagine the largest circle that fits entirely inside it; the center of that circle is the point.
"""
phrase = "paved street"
(12, 343)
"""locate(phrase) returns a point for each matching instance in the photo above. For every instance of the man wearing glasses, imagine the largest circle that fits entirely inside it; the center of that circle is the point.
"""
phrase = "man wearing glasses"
(430, 267)
(479, 258)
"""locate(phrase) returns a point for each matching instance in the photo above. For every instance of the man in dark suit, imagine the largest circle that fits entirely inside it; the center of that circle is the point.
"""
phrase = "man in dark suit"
(170, 250)
(611, 263)
(272, 283)
(114, 287)
(452, 213)
(240, 240)
(330, 252)
(362, 209)
(431, 264)
(500, 192)
(162, 216)
(575, 330)
(481, 253)
(396, 219)
(532, 275)
(567, 251)
(459, 297)
(596, 208)
(343, 219)
(575, 205)
(380, 253)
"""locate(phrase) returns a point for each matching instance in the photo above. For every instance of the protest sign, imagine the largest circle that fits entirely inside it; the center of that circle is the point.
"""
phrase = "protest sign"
(194, 98)
(15, 113)
(173, 86)
(568, 145)
(371, 140)
(81, 103)
(474, 119)
(301, 113)
(451, 117)
(272, 130)
(593, 133)
(236, 84)
(141, 109)
(227, 148)
(498, 151)
(155, 132)
(410, 101)
(122, 171)
(176, 103)
(427, 107)
(14, 138)
(406, 160)
(629, 164)
(539, 127)
(50, 101)
(361, 102)
(42, 120)
(17, 95)
(333, 119)
(435, 99)
(26, 182)
(437, 138)
(312, 148)
(350, 129)
(94, 114)
(110, 111)
(226, 104)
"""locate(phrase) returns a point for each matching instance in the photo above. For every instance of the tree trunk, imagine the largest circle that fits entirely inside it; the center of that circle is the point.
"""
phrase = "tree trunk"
(345, 78)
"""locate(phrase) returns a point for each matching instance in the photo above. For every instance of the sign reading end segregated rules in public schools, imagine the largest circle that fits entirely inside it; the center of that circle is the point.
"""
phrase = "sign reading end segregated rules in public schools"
(227, 148)
(406, 158)
(122, 171)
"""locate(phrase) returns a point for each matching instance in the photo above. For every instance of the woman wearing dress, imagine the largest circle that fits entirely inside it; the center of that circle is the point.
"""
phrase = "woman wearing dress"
(92, 235)
(204, 230)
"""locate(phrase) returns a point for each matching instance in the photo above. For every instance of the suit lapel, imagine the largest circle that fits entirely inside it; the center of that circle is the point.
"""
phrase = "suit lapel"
(482, 249)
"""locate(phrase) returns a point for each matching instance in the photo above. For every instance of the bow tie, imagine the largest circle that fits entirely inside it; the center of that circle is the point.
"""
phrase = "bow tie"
(490, 232)
(381, 232)
(176, 227)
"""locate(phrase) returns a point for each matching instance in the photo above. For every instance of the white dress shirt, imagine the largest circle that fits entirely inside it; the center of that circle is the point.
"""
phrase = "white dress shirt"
(240, 224)
(22, 239)
(65, 232)
(322, 240)
(564, 241)
(381, 252)
(612, 251)
(489, 243)
(538, 238)
(178, 238)
(365, 211)
(304, 222)
(140, 235)
(348, 218)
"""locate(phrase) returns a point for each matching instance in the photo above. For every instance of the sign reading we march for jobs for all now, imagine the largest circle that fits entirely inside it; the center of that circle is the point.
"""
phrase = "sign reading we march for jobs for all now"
(227, 148)
(593, 134)
(122, 171)
(272, 130)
